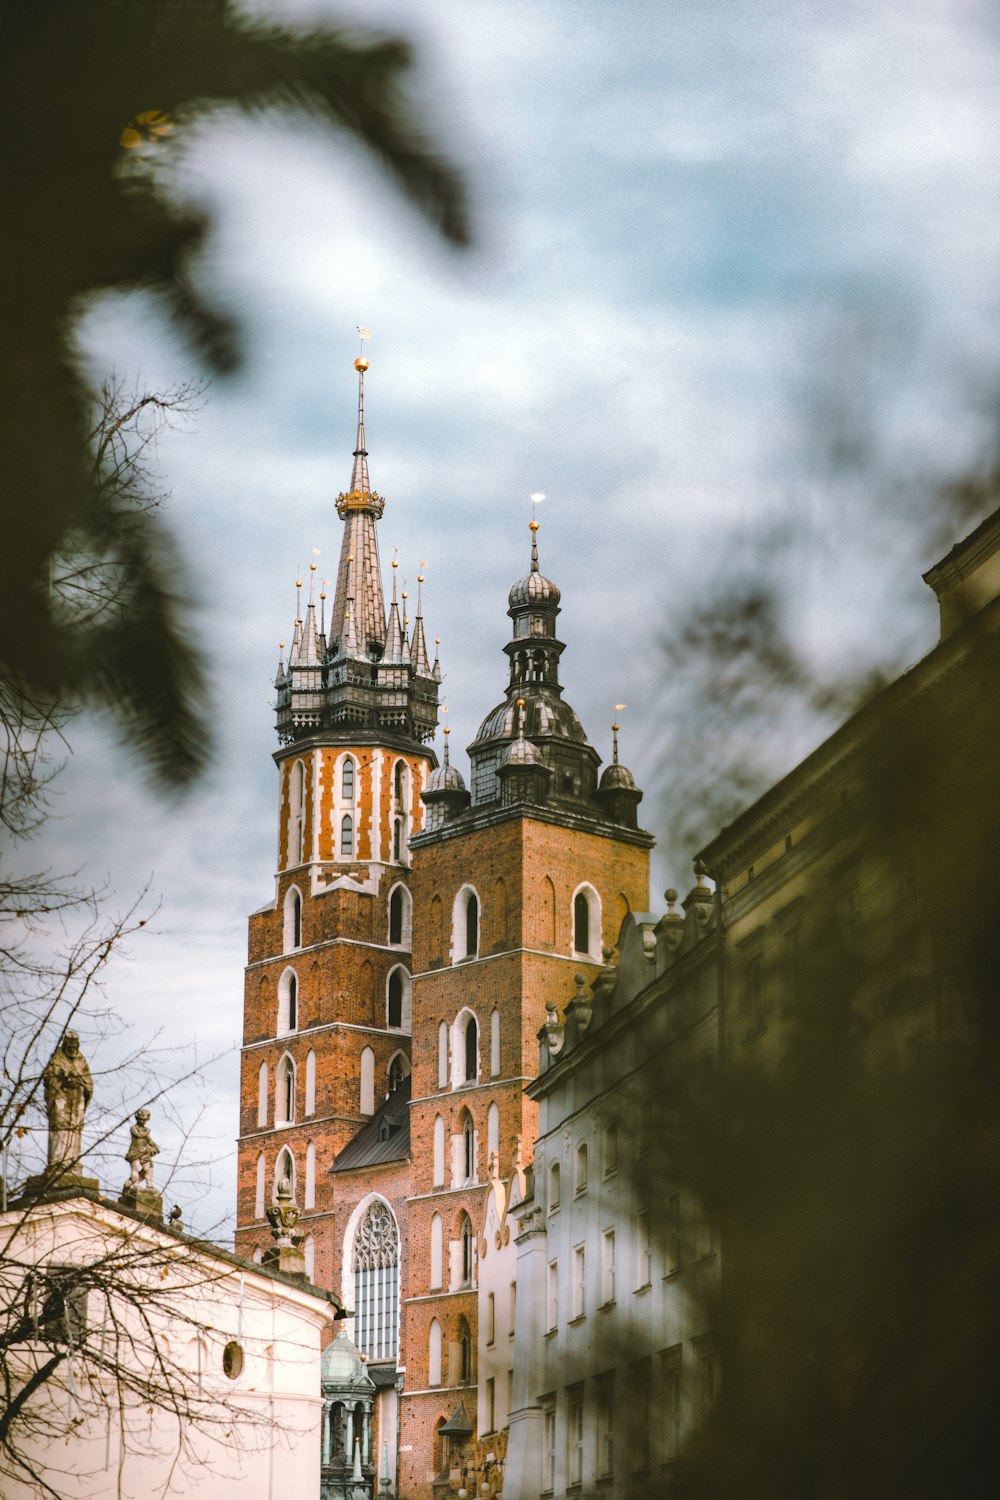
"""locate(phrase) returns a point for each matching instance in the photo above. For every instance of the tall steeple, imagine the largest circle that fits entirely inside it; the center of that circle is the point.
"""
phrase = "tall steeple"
(358, 574)
(362, 682)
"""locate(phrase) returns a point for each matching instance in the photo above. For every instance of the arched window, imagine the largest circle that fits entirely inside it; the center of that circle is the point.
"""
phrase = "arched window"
(398, 1069)
(492, 1133)
(464, 1353)
(398, 1006)
(467, 1250)
(554, 1186)
(468, 1162)
(471, 1049)
(434, 1354)
(311, 1083)
(438, 1151)
(288, 1002)
(284, 1092)
(443, 1055)
(399, 786)
(262, 1086)
(367, 1082)
(292, 919)
(436, 931)
(284, 1167)
(309, 1195)
(347, 780)
(437, 1253)
(580, 1179)
(376, 1282)
(346, 836)
(465, 925)
(581, 923)
(258, 1201)
(296, 813)
(399, 916)
(587, 922)
(495, 1044)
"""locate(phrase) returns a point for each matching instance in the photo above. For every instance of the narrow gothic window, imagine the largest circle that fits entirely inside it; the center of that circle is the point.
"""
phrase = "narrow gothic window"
(293, 1004)
(396, 1073)
(581, 923)
(347, 835)
(395, 1017)
(464, 1354)
(471, 926)
(466, 1251)
(397, 838)
(347, 780)
(398, 783)
(468, 1149)
(471, 1049)
(376, 1283)
(396, 915)
(286, 1091)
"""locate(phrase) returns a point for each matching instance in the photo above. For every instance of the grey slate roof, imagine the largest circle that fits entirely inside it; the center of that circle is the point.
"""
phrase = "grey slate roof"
(385, 1138)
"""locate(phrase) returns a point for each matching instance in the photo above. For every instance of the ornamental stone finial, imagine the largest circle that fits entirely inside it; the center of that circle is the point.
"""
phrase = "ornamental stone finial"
(283, 1216)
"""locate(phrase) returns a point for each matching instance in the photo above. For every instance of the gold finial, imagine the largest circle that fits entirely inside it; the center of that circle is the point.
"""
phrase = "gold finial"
(533, 525)
(312, 567)
(395, 562)
(281, 645)
(405, 594)
(420, 577)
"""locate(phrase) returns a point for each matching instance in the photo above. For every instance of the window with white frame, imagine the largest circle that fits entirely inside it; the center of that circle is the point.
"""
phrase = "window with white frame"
(491, 1318)
(443, 1055)
(586, 923)
(284, 1092)
(608, 1266)
(467, 1242)
(375, 1262)
(288, 1002)
(292, 921)
(580, 1176)
(465, 925)
(347, 837)
(552, 1296)
(468, 1159)
(347, 779)
(554, 1175)
(575, 1435)
(400, 916)
(643, 1251)
(310, 1083)
(548, 1448)
(398, 1003)
(284, 1168)
(579, 1303)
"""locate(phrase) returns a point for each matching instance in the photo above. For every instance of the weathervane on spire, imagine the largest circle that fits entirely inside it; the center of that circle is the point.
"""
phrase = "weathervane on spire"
(614, 728)
(365, 335)
(536, 500)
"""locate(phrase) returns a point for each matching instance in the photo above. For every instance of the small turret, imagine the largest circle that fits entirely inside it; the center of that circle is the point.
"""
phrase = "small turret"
(445, 794)
(617, 792)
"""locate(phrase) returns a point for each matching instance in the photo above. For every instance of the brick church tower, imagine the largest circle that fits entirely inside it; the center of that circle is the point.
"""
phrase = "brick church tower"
(326, 1051)
(517, 888)
(398, 978)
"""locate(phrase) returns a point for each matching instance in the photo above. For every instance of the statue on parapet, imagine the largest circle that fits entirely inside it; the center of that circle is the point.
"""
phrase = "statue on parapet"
(141, 1150)
(68, 1088)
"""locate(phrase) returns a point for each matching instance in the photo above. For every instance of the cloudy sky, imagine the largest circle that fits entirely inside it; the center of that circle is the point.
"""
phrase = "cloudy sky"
(732, 307)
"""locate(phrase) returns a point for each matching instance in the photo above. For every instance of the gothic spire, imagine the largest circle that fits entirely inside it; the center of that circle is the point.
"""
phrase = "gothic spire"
(418, 646)
(358, 574)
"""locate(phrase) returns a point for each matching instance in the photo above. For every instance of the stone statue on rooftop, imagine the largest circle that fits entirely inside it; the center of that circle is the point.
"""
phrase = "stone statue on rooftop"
(141, 1150)
(68, 1089)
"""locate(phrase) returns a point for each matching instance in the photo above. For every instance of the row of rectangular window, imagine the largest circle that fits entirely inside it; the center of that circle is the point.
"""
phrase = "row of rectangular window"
(657, 1418)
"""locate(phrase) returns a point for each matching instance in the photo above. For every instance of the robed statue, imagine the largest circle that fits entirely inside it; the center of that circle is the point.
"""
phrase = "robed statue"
(68, 1090)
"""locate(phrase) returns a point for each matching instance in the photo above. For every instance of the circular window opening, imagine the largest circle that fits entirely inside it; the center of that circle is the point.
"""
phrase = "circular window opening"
(232, 1360)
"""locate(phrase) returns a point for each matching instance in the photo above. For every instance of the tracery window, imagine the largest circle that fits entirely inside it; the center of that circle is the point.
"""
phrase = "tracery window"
(376, 1282)
(347, 780)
